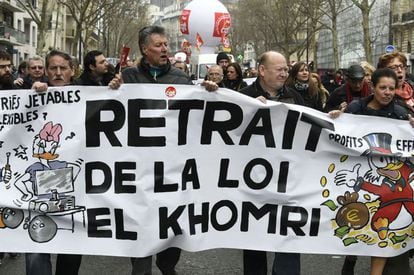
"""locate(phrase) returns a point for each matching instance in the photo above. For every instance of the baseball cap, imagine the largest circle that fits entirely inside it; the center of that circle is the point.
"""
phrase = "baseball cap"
(356, 72)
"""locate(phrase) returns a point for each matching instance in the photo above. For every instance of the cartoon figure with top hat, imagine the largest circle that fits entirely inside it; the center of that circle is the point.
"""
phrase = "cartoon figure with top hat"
(389, 178)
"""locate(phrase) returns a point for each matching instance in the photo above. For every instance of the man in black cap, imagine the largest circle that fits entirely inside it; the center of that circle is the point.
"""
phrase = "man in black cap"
(355, 87)
(223, 60)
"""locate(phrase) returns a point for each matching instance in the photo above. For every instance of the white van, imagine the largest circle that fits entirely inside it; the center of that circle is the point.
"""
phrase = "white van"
(199, 65)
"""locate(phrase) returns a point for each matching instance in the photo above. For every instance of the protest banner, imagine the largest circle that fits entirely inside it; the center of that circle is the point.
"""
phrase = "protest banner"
(129, 172)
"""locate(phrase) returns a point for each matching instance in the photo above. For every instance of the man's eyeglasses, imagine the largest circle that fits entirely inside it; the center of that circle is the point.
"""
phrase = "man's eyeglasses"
(396, 67)
(36, 67)
(279, 70)
(4, 66)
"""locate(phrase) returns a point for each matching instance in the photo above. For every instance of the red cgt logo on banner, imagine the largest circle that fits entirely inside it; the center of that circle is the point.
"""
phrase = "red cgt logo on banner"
(170, 91)
(222, 24)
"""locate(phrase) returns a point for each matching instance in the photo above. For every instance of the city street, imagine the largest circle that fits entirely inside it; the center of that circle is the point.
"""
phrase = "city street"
(216, 261)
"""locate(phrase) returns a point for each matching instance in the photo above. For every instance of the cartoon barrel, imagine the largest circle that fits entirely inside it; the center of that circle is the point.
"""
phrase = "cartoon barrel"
(11, 218)
(42, 229)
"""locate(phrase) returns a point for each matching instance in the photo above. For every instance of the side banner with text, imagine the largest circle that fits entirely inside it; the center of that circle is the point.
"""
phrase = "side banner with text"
(133, 171)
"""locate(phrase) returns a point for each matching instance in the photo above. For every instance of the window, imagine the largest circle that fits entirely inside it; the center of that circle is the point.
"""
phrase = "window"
(33, 3)
(33, 36)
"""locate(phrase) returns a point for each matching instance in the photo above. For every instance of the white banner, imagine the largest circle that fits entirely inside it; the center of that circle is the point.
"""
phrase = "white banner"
(131, 172)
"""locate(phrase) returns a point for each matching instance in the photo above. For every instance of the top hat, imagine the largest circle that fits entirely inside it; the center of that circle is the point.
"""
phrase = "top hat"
(379, 144)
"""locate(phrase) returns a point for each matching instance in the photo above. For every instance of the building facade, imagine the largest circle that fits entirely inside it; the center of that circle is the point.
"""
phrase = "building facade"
(402, 28)
(171, 22)
(350, 36)
(17, 31)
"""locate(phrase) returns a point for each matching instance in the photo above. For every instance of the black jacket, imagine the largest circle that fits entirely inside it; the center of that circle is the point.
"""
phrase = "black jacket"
(235, 85)
(313, 102)
(164, 75)
(285, 95)
(87, 79)
(392, 110)
(28, 82)
(344, 94)
(7, 86)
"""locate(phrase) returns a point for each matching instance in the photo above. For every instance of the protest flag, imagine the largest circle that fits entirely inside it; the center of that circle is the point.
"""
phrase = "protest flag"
(199, 42)
(123, 58)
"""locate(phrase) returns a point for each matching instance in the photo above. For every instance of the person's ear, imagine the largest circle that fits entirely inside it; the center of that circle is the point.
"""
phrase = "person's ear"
(144, 50)
(261, 70)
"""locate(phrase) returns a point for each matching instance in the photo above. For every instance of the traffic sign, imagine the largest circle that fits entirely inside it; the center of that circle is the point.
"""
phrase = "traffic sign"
(389, 48)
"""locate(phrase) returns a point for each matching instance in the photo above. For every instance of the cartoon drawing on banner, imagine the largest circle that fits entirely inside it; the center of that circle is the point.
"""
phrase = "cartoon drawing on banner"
(379, 207)
(46, 187)
(10, 218)
(6, 172)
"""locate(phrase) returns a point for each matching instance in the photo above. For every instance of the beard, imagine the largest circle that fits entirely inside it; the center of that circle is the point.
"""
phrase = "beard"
(6, 81)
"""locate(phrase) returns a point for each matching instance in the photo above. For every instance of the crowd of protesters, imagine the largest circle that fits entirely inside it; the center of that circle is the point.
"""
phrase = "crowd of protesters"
(360, 90)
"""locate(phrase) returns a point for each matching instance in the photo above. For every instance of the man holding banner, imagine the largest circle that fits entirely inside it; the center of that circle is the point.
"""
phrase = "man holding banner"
(59, 70)
(155, 67)
(6, 80)
(269, 85)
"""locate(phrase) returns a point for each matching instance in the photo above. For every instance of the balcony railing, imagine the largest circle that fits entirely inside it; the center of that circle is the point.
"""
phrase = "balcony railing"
(408, 16)
(10, 5)
(9, 33)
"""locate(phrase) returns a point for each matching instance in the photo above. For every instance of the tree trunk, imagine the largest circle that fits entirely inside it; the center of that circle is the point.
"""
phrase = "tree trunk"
(41, 41)
(367, 37)
(315, 55)
(335, 43)
(314, 45)
(42, 27)
(77, 39)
